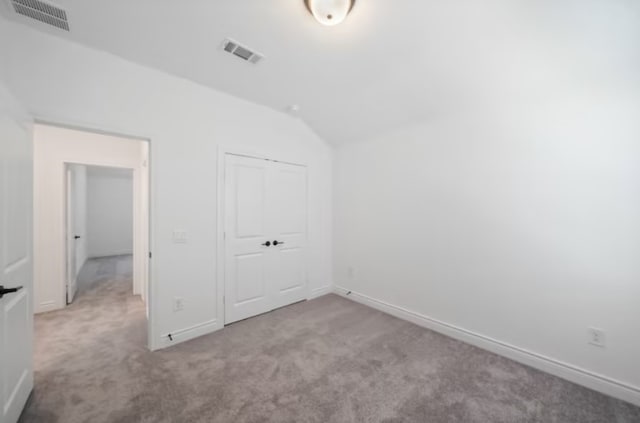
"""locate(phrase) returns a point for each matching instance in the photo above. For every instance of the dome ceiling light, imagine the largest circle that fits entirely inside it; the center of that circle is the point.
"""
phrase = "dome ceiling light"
(329, 12)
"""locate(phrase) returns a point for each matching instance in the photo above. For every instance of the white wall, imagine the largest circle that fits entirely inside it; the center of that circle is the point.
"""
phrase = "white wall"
(512, 219)
(519, 223)
(528, 236)
(64, 82)
(109, 211)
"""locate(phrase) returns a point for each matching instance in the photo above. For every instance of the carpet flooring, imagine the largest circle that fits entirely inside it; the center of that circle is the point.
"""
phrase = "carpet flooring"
(325, 360)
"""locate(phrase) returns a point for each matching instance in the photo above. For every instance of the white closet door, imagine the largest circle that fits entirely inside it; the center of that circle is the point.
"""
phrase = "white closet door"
(265, 236)
(246, 256)
(288, 193)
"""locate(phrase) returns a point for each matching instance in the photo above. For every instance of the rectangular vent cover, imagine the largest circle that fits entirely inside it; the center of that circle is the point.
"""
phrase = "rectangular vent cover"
(43, 12)
(242, 52)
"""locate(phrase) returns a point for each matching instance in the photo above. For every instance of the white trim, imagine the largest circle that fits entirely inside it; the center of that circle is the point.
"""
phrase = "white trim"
(69, 227)
(126, 252)
(192, 332)
(220, 236)
(319, 292)
(555, 367)
(86, 127)
(46, 306)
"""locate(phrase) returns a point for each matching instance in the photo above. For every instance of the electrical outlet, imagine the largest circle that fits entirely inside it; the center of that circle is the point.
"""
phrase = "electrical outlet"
(178, 304)
(179, 237)
(597, 337)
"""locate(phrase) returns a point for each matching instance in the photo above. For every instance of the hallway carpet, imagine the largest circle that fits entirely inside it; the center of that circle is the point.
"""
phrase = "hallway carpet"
(326, 360)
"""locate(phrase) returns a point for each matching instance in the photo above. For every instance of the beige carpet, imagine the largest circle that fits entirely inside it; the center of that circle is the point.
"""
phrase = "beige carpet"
(326, 360)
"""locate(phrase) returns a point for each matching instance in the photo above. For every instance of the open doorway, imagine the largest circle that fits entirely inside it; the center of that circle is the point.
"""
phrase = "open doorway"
(91, 255)
(100, 231)
(91, 213)
(76, 211)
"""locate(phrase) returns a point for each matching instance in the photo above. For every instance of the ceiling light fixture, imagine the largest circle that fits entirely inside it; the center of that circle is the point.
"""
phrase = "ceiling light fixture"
(329, 12)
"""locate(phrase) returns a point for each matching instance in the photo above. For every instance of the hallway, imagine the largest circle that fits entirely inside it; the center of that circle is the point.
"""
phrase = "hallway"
(79, 352)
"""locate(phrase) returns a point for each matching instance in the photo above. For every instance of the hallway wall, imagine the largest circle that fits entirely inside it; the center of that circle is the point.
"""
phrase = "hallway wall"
(109, 211)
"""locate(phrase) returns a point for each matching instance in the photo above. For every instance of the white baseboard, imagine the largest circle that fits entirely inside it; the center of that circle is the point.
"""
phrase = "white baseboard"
(566, 371)
(205, 328)
(110, 253)
(47, 306)
(186, 334)
(319, 292)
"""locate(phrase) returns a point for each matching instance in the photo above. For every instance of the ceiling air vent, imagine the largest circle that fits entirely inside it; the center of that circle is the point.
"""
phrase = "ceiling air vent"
(43, 12)
(242, 52)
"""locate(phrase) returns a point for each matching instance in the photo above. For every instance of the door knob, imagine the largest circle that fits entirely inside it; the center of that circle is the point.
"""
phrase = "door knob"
(76, 237)
(276, 242)
(4, 290)
(267, 244)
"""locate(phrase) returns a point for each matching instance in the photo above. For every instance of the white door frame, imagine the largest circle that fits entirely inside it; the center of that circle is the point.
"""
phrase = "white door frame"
(142, 231)
(139, 248)
(223, 151)
(138, 221)
(70, 232)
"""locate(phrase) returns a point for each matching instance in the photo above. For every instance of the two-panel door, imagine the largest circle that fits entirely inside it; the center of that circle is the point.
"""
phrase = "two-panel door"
(265, 236)
(16, 210)
(288, 192)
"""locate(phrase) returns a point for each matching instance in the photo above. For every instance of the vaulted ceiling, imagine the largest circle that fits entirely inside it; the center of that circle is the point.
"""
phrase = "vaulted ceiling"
(390, 63)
